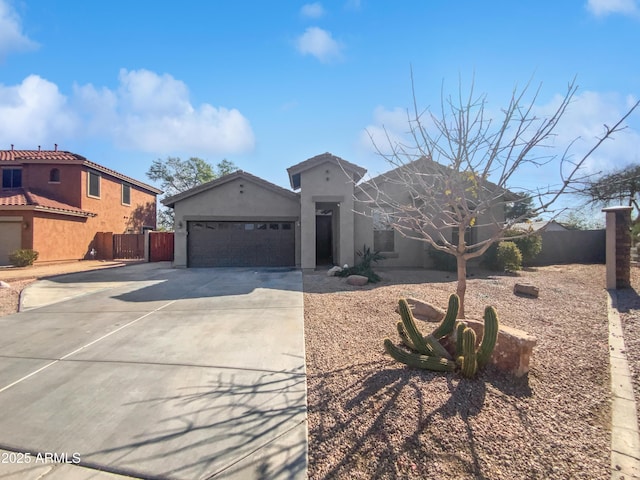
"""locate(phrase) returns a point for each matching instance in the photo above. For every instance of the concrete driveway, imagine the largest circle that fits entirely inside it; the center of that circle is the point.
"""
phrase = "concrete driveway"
(153, 372)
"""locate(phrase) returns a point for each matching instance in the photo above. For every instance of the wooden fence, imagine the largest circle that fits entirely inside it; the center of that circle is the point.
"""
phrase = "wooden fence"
(131, 246)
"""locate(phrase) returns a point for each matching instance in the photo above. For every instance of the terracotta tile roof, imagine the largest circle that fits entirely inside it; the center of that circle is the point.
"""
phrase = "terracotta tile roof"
(60, 156)
(24, 197)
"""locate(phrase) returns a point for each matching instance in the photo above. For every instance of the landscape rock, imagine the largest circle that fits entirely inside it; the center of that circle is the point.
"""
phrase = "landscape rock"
(526, 289)
(425, 311)
(513, 349)
(333, 271)
(357, 280)
(4, 284)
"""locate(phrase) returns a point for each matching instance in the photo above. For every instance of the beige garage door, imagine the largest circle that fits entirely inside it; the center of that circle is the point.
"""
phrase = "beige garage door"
(10, 239)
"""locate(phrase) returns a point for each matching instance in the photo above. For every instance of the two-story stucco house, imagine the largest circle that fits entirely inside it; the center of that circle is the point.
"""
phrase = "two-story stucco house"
(55, 202)
(242, 220)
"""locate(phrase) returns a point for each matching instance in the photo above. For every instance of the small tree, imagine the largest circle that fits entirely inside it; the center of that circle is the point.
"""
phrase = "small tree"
(450, 185)
(176, 175)
(619, 186)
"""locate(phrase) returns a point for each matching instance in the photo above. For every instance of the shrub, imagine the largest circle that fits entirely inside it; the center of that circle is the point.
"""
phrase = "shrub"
(363, 267)
(530, 247)
(509, 256)
(23, 257)
(442, 260)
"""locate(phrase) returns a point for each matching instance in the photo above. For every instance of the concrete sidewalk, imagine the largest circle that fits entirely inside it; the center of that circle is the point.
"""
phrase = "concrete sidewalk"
(152, 372)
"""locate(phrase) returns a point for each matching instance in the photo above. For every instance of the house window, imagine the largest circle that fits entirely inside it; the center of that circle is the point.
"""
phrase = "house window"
(54, 175)
(94, 185)
(383, 233)
(470, 235)
(11, 178)
(126, 194)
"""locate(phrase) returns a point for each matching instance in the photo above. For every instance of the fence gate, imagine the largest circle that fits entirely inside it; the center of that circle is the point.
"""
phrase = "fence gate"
(128, 246)
(160, 246)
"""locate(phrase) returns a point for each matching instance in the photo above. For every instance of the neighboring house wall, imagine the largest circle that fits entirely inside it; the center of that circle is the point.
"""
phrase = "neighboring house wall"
(237, 200)
(60, 218)
(57, 237)
(112, 214)
(67, 189)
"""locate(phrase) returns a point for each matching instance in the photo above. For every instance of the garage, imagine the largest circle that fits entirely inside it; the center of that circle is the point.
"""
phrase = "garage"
(241, 244)
(10, 238)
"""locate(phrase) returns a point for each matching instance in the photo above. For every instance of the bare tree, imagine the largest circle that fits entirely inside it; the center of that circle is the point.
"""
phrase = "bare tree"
(451, 184)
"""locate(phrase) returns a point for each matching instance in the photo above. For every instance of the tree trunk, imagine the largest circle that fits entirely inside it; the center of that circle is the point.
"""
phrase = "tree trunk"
(462, 282)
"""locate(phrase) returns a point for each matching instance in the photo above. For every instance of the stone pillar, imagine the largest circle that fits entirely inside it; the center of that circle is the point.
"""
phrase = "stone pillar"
(618, 247)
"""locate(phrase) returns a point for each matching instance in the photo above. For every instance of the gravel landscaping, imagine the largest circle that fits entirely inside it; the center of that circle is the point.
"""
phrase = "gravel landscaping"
(372, 417)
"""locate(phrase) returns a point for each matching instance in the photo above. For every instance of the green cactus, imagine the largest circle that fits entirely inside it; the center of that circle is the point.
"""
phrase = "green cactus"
(404, 337)
(414, 335)
(419, 361)
(489, 336)
(449, 321)
(460, 326)
(469, 360)
(436, 346)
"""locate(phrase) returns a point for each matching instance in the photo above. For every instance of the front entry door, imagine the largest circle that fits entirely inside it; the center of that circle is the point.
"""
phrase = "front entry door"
(324, 240)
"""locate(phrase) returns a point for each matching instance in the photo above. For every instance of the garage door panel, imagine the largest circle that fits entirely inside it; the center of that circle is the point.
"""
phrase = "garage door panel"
(10, 240)
(241, 244)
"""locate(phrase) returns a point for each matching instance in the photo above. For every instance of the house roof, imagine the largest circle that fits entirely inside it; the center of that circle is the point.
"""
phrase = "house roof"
(372, 182)
(540, 225)
(238, 174)
(17, 157)
(27, 199)
(295, 170)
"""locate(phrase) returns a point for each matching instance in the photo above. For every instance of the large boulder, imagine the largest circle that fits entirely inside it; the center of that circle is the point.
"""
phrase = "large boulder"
(424, 311)
(357, 280)
(513, 349)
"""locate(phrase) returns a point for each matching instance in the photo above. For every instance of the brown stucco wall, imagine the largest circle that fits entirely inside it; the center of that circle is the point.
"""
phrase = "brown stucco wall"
(112, 215)
(60, 237)
(68, 190)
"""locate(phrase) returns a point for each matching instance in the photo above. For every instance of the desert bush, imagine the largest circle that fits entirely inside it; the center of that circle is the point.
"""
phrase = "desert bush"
(509, 256)
(363, 267)
(23, 257)
(530, 246)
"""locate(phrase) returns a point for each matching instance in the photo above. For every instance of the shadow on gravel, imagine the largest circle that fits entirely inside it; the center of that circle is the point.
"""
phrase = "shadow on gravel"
(628, 300)
(443, 409)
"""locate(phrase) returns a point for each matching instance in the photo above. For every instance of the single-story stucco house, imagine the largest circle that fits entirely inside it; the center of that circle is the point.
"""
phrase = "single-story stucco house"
(242, 220)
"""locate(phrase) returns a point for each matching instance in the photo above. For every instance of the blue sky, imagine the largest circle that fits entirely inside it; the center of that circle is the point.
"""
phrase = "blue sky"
(269, 84)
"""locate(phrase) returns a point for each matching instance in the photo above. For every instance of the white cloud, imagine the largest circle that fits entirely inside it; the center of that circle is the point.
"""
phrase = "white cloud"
(147, 112)
(11, 37)
(34, 112)
(584, 122)
(312, 10)
(606, 7)
(388, 129)
(319, 43)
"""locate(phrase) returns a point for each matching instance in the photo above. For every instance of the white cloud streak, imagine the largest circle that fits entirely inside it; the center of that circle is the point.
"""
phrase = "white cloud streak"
(320, 44)
(312, 10)
(12, 39)
(601, 8)
(147, 112)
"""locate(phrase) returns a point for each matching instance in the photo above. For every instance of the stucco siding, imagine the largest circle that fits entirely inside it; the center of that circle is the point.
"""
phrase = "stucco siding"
(327, 183)
(239, 199)
(61, 237)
